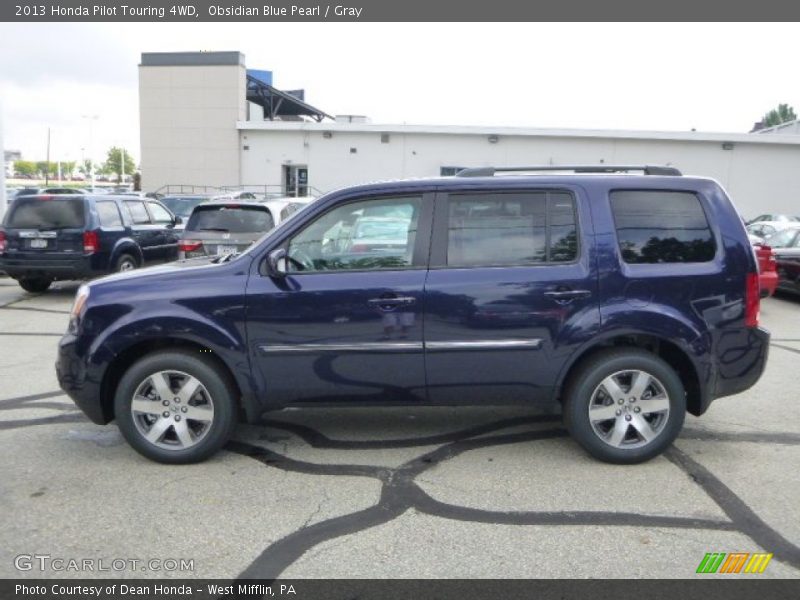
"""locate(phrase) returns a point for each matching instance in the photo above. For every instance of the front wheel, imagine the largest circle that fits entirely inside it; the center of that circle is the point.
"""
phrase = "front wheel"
(34, 285)
(625, 406)
(174, 407)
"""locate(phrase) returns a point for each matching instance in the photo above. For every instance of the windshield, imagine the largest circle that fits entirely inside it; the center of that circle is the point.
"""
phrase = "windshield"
(231, 219)
(182, 205)
(37, 213)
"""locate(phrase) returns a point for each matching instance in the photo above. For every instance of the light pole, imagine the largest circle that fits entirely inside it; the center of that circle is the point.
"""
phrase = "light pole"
(91, 119)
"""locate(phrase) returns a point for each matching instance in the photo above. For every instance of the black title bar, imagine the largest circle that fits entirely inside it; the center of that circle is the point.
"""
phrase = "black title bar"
(398, 10)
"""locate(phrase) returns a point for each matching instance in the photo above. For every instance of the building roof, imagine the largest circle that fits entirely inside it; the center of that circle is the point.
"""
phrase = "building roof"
(678, 136)
(277, 104)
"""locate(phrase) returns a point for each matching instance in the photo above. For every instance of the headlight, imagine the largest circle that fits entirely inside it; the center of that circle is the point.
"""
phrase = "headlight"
(77, 308)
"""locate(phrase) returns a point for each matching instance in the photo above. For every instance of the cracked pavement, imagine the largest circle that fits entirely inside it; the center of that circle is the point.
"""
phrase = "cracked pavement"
(394, 492)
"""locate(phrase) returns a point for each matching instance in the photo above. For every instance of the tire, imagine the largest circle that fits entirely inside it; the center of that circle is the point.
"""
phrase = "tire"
(34, 285)
(635, 430)
(125, 262)
(177, 438)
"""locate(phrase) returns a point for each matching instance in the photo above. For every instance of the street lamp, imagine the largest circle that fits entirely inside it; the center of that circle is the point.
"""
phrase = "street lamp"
(91, 118)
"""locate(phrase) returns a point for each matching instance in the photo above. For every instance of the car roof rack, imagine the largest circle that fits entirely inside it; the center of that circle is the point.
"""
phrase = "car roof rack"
(646, 169)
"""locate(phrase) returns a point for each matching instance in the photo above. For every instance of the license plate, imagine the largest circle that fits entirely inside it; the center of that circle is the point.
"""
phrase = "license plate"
(226, 250)
(38, 243)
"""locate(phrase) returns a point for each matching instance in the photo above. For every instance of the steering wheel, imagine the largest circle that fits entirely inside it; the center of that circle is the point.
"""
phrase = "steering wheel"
(301, 260)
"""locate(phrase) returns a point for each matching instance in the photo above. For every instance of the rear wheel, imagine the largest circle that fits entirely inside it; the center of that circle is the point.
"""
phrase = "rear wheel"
(625, 406)
(175, 407)
(124, 263)
(35, 285)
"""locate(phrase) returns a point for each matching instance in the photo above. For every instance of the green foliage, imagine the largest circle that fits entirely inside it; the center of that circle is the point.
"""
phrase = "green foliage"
(783, 114)
(114, 162)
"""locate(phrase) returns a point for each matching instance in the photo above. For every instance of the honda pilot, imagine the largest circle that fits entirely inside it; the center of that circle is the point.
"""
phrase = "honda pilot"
(46, 238)
(629, 296)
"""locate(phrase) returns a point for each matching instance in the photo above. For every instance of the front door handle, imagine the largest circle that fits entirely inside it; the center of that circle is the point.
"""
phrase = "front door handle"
(567, 296)
(391, 302)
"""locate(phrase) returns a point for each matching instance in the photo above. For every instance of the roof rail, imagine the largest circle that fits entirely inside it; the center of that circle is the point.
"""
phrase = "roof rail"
(646, 169)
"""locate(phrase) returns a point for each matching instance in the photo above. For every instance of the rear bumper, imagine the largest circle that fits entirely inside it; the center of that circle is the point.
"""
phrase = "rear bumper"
(741, 361)
(79, 384)
(81, 267)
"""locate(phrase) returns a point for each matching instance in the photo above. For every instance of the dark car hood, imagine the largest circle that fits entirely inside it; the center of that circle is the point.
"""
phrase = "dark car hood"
(177, 268)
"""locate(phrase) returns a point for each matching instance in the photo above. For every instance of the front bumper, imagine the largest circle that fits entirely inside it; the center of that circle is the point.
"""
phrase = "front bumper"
(79, 383)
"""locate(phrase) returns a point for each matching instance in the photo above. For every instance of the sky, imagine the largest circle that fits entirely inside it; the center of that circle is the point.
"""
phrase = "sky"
(80, 80)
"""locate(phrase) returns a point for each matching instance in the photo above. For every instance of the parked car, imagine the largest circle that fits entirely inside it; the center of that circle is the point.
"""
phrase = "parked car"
(224, 227)
(48, 238)
(183, 205)
(775, 218)
(767, 269)
(628, 300)
(786, 247)
(765, 229)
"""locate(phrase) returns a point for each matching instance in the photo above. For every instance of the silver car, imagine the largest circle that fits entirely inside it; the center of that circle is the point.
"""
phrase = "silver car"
(220, 228)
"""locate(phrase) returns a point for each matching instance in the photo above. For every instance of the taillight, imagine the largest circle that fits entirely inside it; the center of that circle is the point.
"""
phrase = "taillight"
(772, 263)
(91, 243)
(189, 245)
(2, 241)
(752, 300)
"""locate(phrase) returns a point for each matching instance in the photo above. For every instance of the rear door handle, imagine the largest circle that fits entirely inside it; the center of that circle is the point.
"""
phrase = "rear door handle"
(566, 296)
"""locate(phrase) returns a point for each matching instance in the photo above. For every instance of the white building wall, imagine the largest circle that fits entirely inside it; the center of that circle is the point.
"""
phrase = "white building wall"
(759, 177)
(188, 118)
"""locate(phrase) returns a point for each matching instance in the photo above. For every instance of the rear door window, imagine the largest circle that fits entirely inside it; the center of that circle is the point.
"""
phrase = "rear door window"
(231, 219)
(109, 214)
(655, 226)
(511, 229)
(35, 213)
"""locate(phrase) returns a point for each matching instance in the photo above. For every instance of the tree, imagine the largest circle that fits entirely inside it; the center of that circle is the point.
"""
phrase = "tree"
(114, 162)
(25, 168)
(783, 114)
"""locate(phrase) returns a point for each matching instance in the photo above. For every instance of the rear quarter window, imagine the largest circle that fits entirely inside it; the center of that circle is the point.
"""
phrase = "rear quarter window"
(655, 226)
(109, 215)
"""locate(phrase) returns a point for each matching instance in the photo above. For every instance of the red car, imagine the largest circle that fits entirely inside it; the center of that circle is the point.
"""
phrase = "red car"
(767, 270)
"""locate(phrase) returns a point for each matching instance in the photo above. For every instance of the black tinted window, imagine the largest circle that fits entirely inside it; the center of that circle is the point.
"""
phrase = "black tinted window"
(233, 219)
(35, 213)
(109, 214)
(138, 213)
(661, 227)
(509, 229)
(182, 205)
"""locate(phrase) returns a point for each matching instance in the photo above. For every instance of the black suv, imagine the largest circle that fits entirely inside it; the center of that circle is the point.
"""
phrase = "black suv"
(46, 238)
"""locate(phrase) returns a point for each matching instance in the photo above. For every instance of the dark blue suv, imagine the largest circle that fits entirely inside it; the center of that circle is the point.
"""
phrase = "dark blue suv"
(629, 299)
(46, 237)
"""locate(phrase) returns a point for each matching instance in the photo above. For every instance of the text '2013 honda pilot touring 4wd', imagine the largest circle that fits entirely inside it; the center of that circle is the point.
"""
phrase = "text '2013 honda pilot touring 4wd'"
(629, 299)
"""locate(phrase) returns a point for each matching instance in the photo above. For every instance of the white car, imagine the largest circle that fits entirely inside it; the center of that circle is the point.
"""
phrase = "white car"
(764, 229)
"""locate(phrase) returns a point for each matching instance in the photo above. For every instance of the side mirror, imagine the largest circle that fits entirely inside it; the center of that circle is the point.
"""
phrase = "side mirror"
(178, 220)
(276, 263)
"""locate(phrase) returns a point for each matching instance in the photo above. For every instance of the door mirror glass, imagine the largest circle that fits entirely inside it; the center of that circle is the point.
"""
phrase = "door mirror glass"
(276, 263)
(177, 221)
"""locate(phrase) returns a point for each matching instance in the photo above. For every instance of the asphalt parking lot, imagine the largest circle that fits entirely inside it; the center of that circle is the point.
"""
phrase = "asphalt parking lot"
(374, 493)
